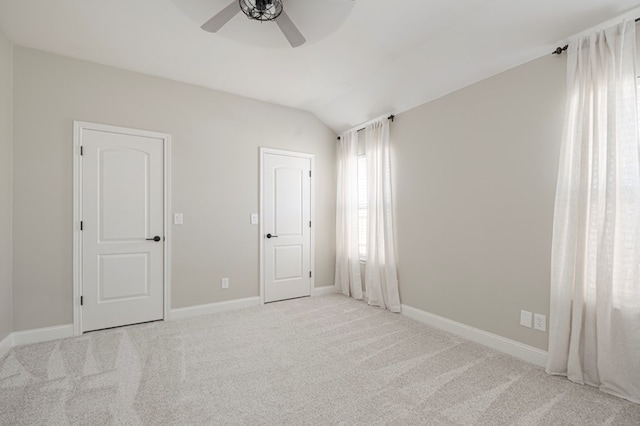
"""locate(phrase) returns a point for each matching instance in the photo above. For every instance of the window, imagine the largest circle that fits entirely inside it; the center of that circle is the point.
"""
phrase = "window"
(362, 207)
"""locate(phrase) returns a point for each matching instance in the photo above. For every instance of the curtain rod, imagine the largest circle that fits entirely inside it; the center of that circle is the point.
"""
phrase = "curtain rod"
(559, 50)
(391, 117)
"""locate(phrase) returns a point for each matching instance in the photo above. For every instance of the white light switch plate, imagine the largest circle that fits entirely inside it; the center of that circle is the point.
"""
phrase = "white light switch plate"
(177, 219)
(525, 319)
(254, 218)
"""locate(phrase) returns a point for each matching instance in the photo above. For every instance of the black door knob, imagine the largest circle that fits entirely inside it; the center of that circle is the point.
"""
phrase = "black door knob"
(156, 239)
(271, 236)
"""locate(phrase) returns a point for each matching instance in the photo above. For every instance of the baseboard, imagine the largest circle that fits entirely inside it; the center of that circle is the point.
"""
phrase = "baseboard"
(5, 345)
(519, 350)
(63, 331)
(322, 291)
(214, 308)
(38, 335)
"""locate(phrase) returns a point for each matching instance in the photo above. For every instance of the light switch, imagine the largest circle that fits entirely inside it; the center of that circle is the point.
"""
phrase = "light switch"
(177, 219)
(254, 218)
(525, 318)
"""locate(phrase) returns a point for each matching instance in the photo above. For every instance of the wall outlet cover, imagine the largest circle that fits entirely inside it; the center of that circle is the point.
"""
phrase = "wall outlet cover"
(540, 322)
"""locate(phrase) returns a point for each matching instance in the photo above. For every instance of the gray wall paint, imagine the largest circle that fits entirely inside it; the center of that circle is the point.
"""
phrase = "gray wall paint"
(474, 179)
(215, 178)
(5, 186)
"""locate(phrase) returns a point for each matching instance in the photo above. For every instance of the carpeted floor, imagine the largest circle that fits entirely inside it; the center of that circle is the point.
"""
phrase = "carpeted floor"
(315, 361)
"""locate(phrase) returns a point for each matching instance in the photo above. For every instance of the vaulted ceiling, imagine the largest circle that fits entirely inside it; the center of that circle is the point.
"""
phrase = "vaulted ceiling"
(363, 58)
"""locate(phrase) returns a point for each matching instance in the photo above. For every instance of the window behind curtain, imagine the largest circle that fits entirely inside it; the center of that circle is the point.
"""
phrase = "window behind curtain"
(362, 206)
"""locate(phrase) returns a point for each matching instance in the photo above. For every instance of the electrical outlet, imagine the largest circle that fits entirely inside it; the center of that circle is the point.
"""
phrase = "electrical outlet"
(540, 322)
(525, 319)
(224, 282)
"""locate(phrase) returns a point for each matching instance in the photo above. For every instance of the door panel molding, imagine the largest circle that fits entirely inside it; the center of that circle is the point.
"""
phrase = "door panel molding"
(263, 152)
(78, 128)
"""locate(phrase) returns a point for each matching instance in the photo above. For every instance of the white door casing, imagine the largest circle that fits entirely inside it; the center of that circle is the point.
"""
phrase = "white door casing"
(286, 193)
(120, 202)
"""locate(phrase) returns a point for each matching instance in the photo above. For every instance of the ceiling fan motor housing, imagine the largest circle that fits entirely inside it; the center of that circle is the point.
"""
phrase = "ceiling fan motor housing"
(263, 4)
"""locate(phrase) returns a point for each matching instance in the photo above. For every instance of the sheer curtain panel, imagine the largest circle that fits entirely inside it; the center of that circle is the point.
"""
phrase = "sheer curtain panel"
(595, 268)
(381, 278)
(348, 279)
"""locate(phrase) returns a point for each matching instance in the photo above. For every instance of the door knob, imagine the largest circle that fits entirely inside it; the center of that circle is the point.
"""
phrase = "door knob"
(271, 236)
(156, 238)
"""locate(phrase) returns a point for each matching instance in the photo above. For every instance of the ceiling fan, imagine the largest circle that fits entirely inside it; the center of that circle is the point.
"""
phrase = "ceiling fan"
(259, 10)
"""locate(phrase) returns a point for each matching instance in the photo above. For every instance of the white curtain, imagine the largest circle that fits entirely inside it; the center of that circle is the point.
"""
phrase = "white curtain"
(595, 277)
(348, 280)
(381, 279)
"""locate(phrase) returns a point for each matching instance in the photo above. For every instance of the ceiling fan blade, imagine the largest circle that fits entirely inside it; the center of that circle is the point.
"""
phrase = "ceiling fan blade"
(290, 31)
(218, 20)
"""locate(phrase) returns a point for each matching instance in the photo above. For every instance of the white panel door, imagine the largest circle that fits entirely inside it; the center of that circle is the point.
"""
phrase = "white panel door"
(287, 233)
(122, 213)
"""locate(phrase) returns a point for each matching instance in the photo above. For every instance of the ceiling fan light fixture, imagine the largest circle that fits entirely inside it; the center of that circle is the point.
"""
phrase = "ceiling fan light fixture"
(261, 10)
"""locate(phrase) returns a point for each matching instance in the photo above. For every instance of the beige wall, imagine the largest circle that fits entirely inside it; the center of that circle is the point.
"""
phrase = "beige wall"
(474, 179)
(5, 186)
(214, 167)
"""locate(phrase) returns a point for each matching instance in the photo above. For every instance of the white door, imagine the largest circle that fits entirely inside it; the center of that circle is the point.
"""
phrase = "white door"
(122, 213)
(286, 225)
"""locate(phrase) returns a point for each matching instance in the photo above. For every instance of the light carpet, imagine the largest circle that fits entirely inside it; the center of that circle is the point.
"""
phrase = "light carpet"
(323, 360)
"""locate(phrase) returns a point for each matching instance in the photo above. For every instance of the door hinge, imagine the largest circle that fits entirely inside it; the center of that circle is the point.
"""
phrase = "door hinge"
(309, 173)
(81, 300)
(81, 150)
(309, 224)
(81, 225)
(309, 274)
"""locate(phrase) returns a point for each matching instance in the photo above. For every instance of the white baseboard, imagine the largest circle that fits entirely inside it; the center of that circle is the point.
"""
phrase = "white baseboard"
(214, 308)
(63, 331)
(5, 345)
(38, 335)
(322, 291)
(519, 350)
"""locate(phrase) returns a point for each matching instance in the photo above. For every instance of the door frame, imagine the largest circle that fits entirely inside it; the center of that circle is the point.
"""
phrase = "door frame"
(78, 127)
(263, 152)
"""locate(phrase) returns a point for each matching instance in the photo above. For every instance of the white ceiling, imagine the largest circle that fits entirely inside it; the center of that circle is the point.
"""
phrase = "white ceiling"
(374, 57)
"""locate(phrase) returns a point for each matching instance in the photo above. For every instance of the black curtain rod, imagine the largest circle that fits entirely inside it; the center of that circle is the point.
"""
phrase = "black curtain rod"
(391, 117)
(559, 50)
